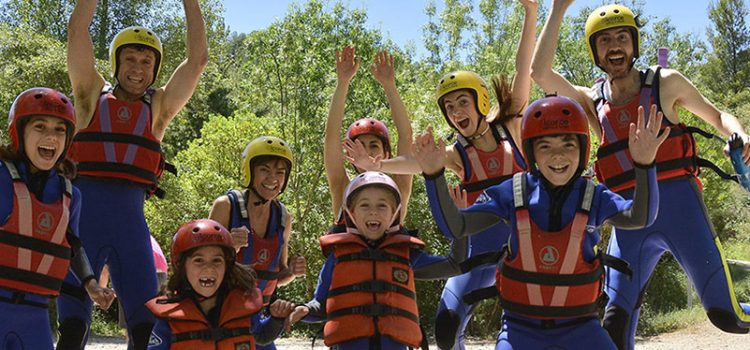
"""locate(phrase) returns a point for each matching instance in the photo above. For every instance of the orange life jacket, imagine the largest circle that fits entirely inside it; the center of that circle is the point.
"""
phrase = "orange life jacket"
(549, 277)
(485, 169)
(614, 165)
(372, 289)
(35, 250)
(118, 142)
(191, 330)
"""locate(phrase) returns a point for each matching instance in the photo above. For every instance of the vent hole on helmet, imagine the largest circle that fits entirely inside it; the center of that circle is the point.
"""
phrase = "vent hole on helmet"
(453, 77)
(269, 142)
(137, 30)
(617, 11)
(566, 111)
(217, 228)
(196, 229)
(442, 81)
(538, 114)
(64, 100)
(602, 13)
(38, 95)
(281, 143)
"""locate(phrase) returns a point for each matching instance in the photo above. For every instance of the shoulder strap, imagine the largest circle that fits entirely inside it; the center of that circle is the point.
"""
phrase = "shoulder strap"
(12, 170)
(283, 214)
(519, 189)
(588, 196)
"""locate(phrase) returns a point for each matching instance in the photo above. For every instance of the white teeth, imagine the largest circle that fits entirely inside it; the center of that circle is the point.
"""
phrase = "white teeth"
(49, 148)
(207, 281)
(270, 188)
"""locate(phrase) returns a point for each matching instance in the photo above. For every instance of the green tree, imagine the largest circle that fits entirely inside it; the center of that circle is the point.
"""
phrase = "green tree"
(730, 38)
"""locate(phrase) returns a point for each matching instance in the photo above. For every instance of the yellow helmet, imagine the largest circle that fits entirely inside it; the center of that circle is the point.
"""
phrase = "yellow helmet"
(612, 16)
(265, 146)
(463, 79)
(135, 36)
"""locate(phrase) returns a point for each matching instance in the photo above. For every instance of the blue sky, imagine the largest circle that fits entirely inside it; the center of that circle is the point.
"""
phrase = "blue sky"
(402, 20)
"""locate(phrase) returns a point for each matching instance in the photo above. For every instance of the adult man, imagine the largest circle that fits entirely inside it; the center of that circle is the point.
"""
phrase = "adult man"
(683, 227)
(119, 158)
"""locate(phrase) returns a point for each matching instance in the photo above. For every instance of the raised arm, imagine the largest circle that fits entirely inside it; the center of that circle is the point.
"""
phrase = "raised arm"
(169, 99)
(383, 71)
(84, 78)
(676, 90)
(544, 56)
(522, 79)
(333, 152)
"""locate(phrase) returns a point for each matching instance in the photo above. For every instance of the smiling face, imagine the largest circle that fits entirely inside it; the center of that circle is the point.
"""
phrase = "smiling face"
(372, 211)
(205, 269)
(614, 48)
(135, 72)
(44, 141)
(557, 157)
(460, 106)
(269, 176)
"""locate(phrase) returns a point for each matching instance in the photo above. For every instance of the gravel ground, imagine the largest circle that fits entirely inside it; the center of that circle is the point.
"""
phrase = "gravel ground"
(702, 336)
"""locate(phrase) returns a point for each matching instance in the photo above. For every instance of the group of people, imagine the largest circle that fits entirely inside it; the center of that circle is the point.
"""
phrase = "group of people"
(523, 223)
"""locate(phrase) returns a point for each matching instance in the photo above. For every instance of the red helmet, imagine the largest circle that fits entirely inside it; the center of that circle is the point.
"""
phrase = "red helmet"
(372, 178)
(200, 233)
(368, 126)
(554, 115)
(40, 101)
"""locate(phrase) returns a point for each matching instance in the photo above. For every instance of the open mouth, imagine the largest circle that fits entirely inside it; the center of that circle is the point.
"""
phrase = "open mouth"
(135, 80)
(373, 225)
(270, 187)
(47, 152)
(616, 59)
(463, 124)
(558, 169)
(207, 282)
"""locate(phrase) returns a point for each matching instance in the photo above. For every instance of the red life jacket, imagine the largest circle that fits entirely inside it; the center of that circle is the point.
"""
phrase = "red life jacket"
(191, 330)
(266, 251)
(549, 278)
(485, 169)
(372, 289)
(614, 165)
(35, 250)
(118, 142)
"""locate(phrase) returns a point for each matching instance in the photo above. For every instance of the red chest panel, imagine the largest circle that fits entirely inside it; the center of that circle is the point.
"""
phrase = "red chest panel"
(35, 251)
(118, 142)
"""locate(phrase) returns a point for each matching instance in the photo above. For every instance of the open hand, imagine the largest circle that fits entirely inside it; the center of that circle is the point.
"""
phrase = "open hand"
(357, 155)
(382, 69)
(429, 155)
(347, 64)
(458, 196)
(644, 138)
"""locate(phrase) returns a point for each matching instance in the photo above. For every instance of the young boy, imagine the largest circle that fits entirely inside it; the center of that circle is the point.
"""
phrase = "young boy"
(366, 287)
(550, 281)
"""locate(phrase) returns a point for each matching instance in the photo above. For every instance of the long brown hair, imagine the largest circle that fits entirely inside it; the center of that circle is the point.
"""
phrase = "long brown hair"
(502, 85)
(64, 167)
(237, 276)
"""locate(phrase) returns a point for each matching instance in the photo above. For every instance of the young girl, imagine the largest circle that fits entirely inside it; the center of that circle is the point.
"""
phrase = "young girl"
(261, 227)
(366, 288)
(371, 134)
(212, 301)
(550, 280)
(484, 154)
(39, 211)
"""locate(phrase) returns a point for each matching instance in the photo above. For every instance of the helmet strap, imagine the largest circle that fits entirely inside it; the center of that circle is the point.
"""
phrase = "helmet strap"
(261, 200)
(481, 134)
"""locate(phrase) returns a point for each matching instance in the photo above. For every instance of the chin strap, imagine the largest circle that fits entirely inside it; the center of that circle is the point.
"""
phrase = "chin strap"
(476, 137)
(261, 201)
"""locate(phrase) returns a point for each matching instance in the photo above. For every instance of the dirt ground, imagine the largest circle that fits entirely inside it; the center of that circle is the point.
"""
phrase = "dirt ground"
(702, 336)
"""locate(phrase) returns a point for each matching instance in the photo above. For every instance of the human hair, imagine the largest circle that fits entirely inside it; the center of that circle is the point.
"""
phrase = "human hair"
(503, 88)
(237, 276)
(64, 167)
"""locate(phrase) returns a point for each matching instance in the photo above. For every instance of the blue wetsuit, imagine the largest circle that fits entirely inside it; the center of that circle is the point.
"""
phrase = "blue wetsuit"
(462, 293)
(683, 227)
(275, 231)
(24, 316)
(550, 210)
(425, 266)
(114, 232)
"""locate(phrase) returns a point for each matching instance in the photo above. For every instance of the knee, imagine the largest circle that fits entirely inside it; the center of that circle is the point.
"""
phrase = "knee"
(72, 334)
(617, 323)
(446, 328)
(725, 320)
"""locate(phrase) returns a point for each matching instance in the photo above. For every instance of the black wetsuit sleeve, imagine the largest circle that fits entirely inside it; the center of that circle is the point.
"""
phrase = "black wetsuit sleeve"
(449, 219)
(643, 211)
(428, 267)
(79, 263)
(270, 329)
